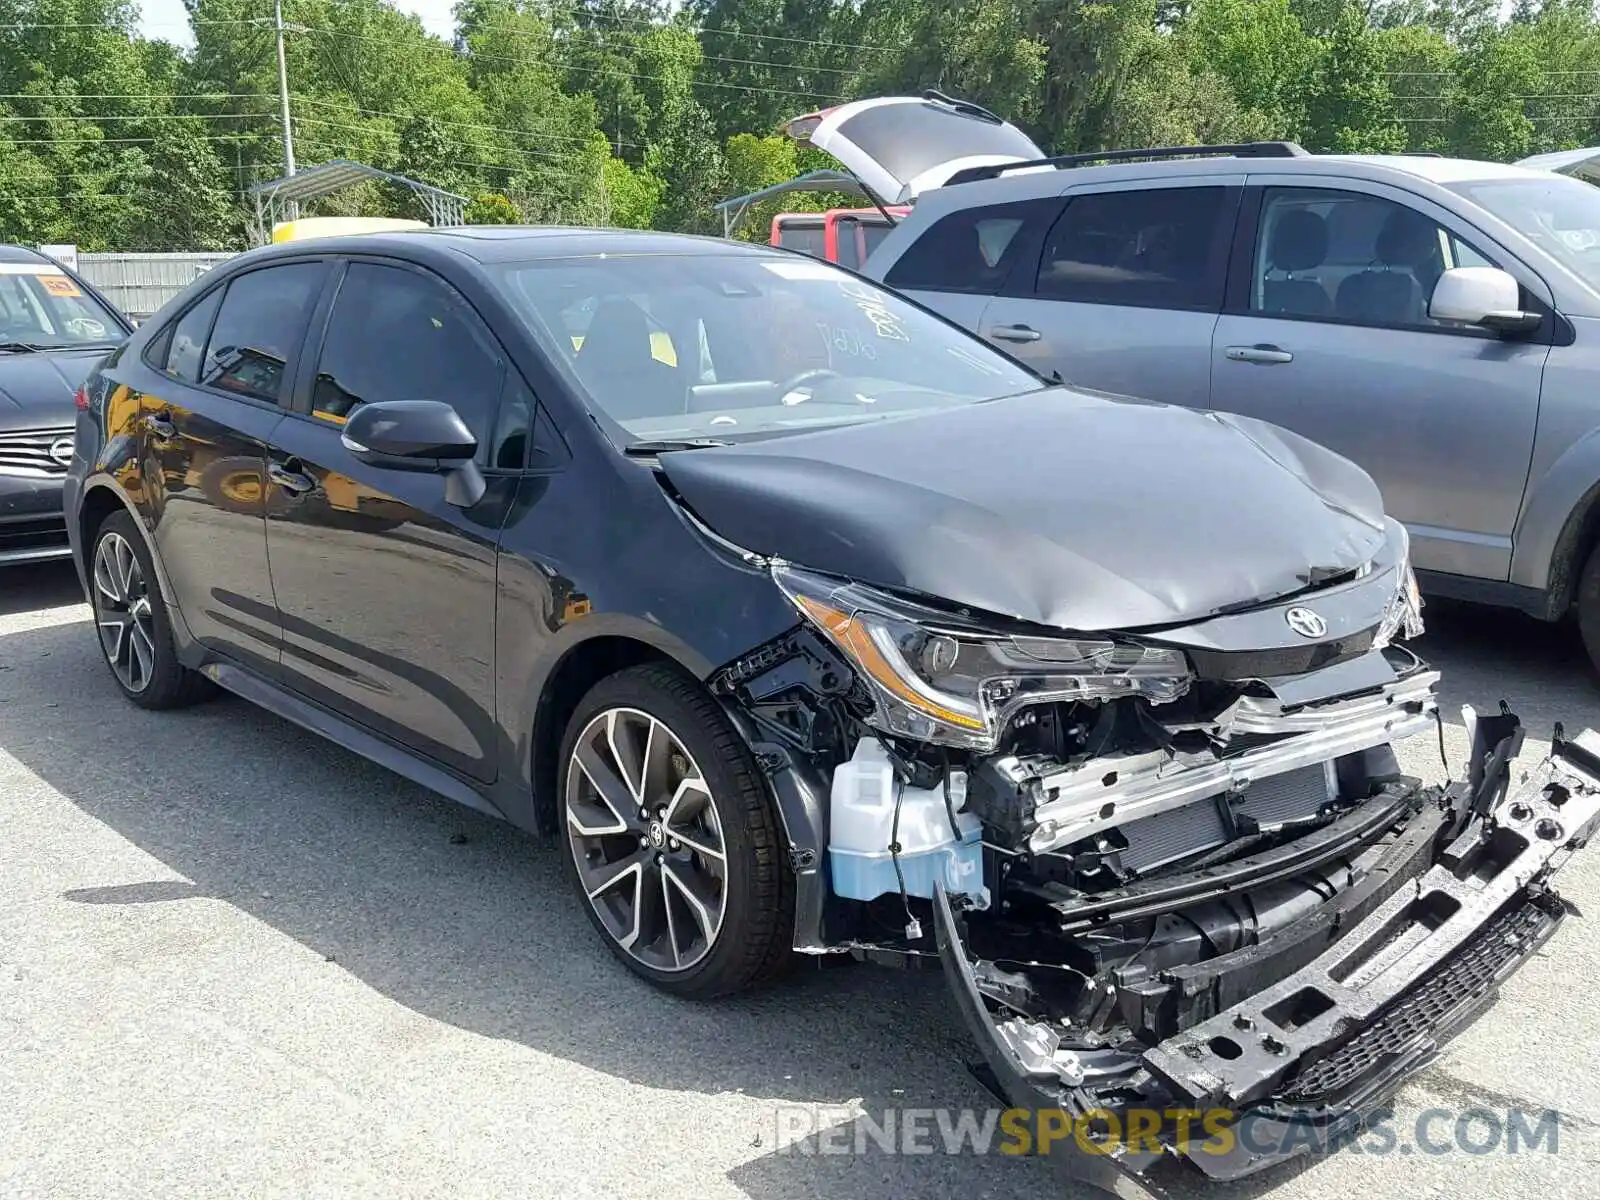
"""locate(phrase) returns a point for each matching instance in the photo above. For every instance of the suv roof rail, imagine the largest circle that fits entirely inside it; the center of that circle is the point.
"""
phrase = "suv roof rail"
(1240, 150)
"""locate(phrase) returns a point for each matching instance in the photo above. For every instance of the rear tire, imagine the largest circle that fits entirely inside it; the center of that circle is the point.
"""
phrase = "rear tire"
(1587, 603)
(673, 841)
(131, 621)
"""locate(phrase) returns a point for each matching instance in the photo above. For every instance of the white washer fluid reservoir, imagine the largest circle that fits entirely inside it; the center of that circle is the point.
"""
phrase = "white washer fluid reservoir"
(861, 828)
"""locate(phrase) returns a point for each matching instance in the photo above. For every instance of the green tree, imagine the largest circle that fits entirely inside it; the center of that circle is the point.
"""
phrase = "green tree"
(680, 137)
(1420, 66)
(1260, 51)
(1490, 120)
(632, 196)
(980, 50)
(491, 208)
(1349, 108)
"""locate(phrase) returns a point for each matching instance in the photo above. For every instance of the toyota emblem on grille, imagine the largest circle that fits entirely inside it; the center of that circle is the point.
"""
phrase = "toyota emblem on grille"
(61, 451)
(1305, 622)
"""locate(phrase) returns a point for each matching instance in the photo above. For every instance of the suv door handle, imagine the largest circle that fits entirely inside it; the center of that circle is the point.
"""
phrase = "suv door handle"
(1263, 355)
(291, 480)
(1015, 333)
(161, 425)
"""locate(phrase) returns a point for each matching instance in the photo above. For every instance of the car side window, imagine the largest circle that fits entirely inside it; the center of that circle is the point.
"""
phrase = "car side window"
(971, 251)
(188, 339)
(508, 449)
(1334, 255)
(397, 334)
(1152, 248)
(258, 327)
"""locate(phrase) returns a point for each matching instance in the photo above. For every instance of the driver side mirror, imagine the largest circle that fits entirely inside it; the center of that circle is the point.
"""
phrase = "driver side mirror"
(422, 436)
(1483, 296)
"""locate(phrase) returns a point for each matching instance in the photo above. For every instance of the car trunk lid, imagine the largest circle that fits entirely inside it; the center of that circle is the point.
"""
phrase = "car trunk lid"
(1580, 164)
(900, 146)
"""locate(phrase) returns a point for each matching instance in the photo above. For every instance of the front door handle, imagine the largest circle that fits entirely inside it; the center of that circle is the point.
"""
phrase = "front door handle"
(296, 483)
(1015, 333)
(161, 425)
(1262, 355)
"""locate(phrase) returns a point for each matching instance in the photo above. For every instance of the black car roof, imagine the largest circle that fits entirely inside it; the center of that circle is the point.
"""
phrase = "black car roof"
(519, 243)
(21, 254)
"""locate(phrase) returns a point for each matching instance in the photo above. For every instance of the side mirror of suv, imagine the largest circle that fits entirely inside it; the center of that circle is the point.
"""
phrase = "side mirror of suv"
(1484, 296)
(418, 435)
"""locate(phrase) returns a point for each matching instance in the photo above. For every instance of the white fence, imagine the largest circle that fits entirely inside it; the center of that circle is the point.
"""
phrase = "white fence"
(139, 284)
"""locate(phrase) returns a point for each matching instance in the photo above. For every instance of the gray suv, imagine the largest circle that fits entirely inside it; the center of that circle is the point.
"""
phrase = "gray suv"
(1433, 319)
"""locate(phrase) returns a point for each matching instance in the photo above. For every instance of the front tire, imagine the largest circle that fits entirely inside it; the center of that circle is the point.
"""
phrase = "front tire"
(673, 842)
(131, 620)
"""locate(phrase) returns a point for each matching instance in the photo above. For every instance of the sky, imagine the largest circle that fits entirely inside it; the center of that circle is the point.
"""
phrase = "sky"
(166, 19)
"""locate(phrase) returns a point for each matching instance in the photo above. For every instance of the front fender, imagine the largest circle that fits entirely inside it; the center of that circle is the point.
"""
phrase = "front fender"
(1555, 520)
(559, 648)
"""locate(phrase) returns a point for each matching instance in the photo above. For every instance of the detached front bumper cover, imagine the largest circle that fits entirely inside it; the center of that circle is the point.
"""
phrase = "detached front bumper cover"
(1298, 1065)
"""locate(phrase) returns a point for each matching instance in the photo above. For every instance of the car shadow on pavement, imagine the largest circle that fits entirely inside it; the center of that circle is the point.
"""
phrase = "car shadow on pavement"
(44, 585)
(468, 921)
(462, 918)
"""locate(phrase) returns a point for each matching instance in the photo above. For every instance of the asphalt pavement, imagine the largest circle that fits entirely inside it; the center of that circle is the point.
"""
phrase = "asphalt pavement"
(238, 961)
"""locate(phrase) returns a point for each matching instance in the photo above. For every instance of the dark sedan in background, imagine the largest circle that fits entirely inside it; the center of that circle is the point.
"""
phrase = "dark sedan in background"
(53, 328)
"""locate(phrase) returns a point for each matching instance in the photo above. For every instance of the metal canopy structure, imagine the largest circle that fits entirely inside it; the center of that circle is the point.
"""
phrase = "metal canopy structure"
(280, 199)
(733, 211)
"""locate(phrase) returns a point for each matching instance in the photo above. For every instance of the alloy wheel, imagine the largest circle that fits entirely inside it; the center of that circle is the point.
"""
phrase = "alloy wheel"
(647, 839)
(122, 613)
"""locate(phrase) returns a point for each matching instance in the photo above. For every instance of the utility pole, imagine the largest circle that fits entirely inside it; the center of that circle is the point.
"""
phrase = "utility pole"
(283, 104)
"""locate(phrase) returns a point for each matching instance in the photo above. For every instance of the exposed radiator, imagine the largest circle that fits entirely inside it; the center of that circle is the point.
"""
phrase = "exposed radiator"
(1156, 841)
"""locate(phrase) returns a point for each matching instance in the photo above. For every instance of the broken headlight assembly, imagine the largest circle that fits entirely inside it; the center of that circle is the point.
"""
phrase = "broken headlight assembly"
(1402, 617)
(935, 678)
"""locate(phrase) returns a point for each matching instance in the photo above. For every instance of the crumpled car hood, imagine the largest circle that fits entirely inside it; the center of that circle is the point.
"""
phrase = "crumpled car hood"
(1060, 507)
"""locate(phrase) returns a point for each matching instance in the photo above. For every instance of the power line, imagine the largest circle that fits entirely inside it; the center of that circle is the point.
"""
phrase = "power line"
(138, 117)
(30, 26)
(698, 30)
(544, 154)
(125, 141)
(507, 31)
(374, 112)
(511, 58)
(135, 95)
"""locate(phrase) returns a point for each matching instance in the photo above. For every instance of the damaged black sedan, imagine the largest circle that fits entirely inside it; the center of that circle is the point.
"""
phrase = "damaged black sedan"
(809, 622)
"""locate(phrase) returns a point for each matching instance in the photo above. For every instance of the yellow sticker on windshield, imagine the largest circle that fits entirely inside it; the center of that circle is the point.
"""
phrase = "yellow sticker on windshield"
(59, 285)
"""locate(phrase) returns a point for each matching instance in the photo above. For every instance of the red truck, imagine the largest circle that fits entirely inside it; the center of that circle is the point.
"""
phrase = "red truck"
(841, 235)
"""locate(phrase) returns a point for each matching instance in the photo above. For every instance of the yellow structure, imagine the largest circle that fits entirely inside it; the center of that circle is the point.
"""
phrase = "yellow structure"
(311, 227)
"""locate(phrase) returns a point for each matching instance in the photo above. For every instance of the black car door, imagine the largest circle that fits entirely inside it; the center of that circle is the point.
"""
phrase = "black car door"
(208, 396)
(386, 590)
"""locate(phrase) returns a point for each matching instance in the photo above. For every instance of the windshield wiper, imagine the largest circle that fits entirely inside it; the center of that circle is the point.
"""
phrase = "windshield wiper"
(24, 347)
(645, 449)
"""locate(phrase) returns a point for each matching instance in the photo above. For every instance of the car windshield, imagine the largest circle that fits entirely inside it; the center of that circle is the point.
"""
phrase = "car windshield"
(1562, 215)
(41, 305)
(727, 346)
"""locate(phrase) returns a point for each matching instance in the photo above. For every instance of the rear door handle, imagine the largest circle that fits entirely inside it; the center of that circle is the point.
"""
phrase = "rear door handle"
(161, 425)
(1264, 355)
(295, 482)
(1015, 333)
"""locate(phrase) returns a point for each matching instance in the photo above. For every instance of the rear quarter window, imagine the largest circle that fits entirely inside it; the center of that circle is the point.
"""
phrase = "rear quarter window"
(973, 250)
